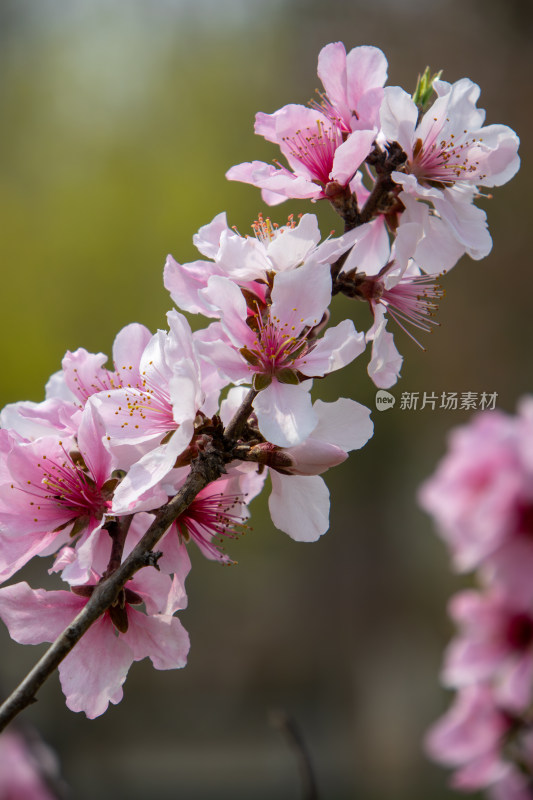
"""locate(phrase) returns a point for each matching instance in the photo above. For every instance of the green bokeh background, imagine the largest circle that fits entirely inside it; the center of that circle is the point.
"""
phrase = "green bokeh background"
(120, 118)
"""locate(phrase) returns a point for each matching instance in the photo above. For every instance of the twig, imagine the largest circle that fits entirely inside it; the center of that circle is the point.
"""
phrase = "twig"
(381, 200)
(118, 531)
(234, 428)
(286, 724)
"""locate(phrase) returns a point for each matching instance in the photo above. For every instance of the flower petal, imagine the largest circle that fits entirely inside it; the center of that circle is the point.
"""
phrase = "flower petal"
(299, 506)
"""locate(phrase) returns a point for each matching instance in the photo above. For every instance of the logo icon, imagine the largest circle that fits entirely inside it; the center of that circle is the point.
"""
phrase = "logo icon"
(384, 400)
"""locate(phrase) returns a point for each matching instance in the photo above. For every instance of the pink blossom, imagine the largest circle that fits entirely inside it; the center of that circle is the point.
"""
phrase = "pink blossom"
(469, 737)
(54, 485)
(158, 413)
(326, 143)
(216, 516)
(299, 501)
(85, 375)
(495, 643)
(449, 154)
(249, 261)
(26, 766)
(397, 287)
(353, 84)
(481, 494)
(279, 348)
(449, 144)
(316, 150)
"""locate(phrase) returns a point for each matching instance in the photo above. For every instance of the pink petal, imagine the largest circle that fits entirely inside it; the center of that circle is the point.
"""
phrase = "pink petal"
(93, 673)
(16, 551)
(226, 296)
(184, 282)
(332, 72)
(313, 457)
(399, 116)
(350, 155)
(371, 249)
(35, 616)
(129, 346)
(91, 436)
(161, 638)
(366, 69)
(207, 240)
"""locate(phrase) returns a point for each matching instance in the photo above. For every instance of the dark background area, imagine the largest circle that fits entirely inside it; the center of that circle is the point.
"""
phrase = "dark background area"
(120, 119)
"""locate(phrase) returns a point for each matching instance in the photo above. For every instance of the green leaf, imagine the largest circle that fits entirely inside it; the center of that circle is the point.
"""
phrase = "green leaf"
(424, 88)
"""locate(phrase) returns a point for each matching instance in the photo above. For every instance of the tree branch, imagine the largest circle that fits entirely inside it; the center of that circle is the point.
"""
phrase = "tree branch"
(286, 724)
(381, 200)
(235, 427)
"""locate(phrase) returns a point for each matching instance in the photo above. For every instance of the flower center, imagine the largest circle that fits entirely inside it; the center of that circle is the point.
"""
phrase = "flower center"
(66, 486)
(412, 301)
(519, 633)
(210, 520)
(266, 231)
(326, 107)
(276, 346)
(315, 149)
(447, 160)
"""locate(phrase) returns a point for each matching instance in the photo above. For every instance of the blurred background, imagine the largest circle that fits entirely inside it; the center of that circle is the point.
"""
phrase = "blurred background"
(120, 118)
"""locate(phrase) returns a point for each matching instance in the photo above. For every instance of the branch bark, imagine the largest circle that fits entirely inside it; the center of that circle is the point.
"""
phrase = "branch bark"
(288, 727)
(235, 427)
(381, 200)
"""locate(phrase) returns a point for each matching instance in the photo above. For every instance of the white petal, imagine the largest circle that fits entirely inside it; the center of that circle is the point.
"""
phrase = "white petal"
(386, 362)
(299, 506)
(301, 296)
(291, 247)
(398, 118)
(344, 423)
(284, 413)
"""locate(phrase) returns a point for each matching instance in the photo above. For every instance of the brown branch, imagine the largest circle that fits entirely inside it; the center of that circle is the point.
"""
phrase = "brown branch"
(118, 531)
(344, 203)
(235, 427)
(381, 200)
(287, 726)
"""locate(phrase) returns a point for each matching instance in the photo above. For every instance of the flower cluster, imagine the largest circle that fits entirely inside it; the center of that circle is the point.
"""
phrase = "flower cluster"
(481, 497)
(424, 163)
(89, 473)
